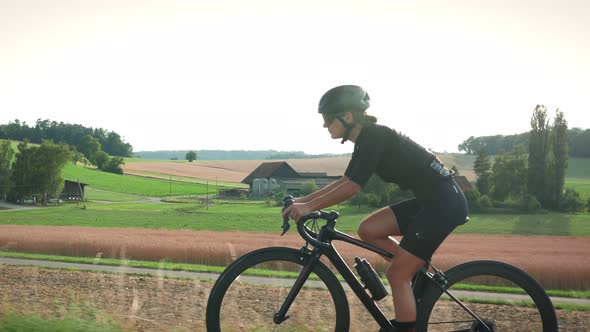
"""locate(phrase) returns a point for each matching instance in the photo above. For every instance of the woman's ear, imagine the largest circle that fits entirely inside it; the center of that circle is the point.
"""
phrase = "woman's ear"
(348, 117)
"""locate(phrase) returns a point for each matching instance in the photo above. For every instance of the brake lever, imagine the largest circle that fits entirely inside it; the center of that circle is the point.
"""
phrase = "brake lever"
(285, 226)
(287, 201)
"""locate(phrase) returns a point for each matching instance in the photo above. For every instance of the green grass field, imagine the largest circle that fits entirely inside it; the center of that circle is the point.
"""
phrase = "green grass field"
(262, 218)
(129, 184)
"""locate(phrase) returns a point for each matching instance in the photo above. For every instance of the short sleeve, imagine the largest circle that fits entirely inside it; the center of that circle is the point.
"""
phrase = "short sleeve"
(366, 156)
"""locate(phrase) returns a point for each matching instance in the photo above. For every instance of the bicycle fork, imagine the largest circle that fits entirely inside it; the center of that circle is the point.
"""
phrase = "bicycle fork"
(312, 259)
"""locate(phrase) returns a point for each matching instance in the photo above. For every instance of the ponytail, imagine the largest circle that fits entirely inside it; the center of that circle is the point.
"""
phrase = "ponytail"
(364, 119)
(368, 120)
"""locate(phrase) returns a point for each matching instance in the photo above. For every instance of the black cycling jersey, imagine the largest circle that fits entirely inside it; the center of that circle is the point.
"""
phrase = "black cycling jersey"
(393, 157)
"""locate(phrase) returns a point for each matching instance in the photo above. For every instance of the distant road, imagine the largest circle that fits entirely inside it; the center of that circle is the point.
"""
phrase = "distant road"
(248, 279)
(5, 206)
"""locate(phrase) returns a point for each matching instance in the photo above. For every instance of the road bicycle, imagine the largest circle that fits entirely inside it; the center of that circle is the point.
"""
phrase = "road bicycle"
(280, 289)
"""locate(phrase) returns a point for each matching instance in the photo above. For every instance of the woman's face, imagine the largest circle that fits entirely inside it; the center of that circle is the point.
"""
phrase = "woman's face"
(334, 125)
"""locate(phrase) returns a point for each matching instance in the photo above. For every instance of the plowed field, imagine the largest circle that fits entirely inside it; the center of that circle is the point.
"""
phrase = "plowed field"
(237, 170)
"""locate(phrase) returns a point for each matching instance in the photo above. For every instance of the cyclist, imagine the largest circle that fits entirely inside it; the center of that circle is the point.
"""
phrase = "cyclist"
(424, 221)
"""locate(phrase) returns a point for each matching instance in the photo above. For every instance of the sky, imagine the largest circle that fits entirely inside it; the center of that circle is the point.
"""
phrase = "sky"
(248, 75)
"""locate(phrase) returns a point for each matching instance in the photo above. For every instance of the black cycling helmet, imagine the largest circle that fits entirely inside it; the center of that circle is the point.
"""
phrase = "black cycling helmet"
(344, 98)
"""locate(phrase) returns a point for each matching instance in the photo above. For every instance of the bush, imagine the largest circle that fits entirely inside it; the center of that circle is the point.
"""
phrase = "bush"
(277, 199)
(571, 202)
(373, 200)
(358, 199)
(308, 188)
(485, 203)
(529, 203)
(113, 165)
(473, 196)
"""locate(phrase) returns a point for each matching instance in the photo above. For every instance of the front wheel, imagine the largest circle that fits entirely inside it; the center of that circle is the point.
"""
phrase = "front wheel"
(503, 296)
(250, 291)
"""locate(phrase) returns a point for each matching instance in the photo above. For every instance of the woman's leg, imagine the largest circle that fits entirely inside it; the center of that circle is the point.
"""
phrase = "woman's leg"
(400, 273)
(378, 228)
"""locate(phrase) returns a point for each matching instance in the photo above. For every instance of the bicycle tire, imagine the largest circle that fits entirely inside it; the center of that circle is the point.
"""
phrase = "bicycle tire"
(541, 316)
(216, 317)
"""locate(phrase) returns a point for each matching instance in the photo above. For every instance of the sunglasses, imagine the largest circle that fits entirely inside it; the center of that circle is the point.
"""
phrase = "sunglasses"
(328, 119)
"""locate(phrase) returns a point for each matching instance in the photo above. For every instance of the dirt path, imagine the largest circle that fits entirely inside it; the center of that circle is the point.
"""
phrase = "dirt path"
(154, 303)
(255, 280)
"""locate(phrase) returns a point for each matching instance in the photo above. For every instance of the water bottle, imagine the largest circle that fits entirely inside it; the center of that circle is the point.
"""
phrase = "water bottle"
(370, 279)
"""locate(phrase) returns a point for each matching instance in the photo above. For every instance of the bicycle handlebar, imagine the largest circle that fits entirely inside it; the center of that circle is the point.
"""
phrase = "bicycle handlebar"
(307, 234)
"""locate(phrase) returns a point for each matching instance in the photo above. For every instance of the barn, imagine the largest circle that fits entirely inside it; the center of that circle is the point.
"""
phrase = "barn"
(272, 177)
(73, 191)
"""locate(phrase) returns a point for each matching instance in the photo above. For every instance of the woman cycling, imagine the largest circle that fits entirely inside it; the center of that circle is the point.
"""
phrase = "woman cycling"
(424, 221)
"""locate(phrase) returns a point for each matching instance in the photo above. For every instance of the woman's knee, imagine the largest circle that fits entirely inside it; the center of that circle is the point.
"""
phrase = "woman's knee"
(403, 268)
(380, 224)
(365, 231)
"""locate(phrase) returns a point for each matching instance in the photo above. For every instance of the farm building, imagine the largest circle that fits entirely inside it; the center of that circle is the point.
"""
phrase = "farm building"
(273, 177)
(463, 183)
(73, 191)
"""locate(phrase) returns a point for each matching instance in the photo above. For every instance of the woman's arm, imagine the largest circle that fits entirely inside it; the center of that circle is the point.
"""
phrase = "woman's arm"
(322, 191)
(342, 190)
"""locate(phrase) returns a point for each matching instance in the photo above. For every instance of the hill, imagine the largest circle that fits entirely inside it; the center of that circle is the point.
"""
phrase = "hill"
(229, 155)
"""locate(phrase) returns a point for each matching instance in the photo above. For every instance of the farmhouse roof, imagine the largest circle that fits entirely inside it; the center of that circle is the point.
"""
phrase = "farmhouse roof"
(463, 183)
(269, 169)
(75, 182)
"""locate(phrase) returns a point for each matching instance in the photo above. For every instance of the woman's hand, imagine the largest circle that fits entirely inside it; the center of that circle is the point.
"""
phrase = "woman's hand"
(296, 211)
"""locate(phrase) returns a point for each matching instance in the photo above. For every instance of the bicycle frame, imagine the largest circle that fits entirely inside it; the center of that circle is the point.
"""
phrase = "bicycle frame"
(328, 234)
(322, 245)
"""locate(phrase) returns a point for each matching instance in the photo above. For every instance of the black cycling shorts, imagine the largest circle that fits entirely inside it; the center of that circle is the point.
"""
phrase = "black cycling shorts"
(425, 223)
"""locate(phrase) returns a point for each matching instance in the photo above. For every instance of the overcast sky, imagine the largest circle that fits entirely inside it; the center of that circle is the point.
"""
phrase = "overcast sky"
(248, 74)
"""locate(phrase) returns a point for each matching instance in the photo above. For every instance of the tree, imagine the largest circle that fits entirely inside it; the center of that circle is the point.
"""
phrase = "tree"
(538, 152)
(100, 159)
(6, 155)
(38, 170)
(510, 174)
(89, 146)
(559, 149)
(191, 156)
(482, 167)
(50, 160)
(22, 174)
(308, 187)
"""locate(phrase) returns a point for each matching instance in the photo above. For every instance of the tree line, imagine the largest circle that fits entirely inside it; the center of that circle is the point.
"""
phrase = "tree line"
(530, 176)
(36, 169)
(578, 143)
(70, 134)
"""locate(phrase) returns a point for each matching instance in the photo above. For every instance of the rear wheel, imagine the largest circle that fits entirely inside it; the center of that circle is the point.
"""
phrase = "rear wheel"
(503, 296)
(251, 290)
